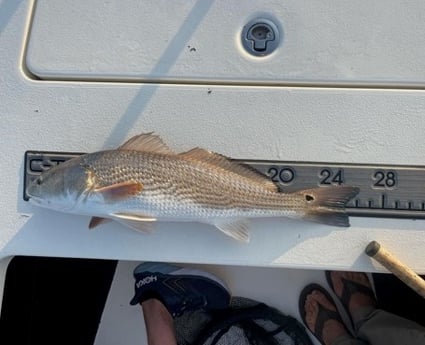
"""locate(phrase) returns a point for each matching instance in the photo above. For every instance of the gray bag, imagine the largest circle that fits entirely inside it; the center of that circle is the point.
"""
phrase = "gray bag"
(245, 322)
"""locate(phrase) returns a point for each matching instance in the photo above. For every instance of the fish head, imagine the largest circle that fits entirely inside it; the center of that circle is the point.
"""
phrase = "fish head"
(61, 187)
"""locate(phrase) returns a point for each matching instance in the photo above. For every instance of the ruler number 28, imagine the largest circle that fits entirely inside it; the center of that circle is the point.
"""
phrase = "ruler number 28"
(384, 179)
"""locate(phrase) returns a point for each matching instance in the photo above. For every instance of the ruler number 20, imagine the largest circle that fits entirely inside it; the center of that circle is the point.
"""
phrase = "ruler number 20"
(385, 179)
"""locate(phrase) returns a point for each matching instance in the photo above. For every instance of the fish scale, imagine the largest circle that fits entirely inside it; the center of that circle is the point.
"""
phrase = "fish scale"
(143, 181)
(223, 194)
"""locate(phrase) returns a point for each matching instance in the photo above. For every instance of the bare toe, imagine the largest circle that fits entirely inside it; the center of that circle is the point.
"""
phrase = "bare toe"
(358, 297)
(315, 304)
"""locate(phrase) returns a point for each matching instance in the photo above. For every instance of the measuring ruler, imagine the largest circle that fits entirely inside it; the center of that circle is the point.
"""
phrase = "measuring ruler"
(385, 190)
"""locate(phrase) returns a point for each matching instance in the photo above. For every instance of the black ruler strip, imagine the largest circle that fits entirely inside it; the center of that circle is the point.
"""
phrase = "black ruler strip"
(385, 190)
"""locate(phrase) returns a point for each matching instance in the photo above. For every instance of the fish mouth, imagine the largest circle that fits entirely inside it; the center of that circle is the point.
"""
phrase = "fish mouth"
(31, 192)
(49, 204)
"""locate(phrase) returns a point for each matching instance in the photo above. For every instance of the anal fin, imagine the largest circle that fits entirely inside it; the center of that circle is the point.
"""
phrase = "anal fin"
(235, 228)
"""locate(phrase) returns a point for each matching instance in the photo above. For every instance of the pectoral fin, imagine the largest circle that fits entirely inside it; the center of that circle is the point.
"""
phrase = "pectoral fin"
(136, 222)
(236, 228)
(120, 190)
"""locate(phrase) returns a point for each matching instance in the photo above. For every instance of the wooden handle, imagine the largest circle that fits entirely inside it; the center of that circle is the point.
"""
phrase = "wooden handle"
(390, 262)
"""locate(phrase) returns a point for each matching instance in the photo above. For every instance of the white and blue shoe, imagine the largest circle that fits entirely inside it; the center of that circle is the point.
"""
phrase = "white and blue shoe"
(179, 289)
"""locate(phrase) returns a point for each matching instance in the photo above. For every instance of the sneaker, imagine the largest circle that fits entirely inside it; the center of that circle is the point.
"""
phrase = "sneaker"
(179, 289)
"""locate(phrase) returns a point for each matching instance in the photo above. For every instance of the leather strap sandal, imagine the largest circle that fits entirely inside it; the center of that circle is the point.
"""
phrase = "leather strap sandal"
(324, 313)
(349, 288)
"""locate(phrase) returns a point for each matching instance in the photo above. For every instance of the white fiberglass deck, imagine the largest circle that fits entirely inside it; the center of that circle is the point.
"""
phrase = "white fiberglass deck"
(353, 120)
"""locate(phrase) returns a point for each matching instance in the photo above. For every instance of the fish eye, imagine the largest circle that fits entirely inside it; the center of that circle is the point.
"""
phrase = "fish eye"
(39, 180)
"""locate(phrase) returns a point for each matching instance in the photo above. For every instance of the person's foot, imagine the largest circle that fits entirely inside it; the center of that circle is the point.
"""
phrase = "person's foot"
(179, 289)
(353, 290)
(320, 315)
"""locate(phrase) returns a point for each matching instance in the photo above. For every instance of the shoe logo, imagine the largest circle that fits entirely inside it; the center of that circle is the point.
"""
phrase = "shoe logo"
(145, 281)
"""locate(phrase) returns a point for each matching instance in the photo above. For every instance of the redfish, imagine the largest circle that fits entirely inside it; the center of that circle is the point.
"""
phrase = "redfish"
(143, 181)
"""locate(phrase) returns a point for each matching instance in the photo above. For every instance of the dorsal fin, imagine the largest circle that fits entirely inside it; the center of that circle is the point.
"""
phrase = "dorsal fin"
(227, 164)
(146, 142)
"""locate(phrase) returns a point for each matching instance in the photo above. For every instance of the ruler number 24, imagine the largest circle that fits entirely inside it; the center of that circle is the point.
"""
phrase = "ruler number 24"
(330, 177)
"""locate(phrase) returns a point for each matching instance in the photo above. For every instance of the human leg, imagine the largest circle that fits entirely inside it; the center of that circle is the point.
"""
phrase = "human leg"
(371, 324)
(381, 327)
(159, 323)
(166, 291)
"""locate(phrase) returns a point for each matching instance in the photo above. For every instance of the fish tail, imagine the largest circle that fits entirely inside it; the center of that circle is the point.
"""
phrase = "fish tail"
(327, 205)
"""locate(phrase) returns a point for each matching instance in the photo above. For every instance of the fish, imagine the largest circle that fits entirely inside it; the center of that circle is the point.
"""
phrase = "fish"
(143, 181)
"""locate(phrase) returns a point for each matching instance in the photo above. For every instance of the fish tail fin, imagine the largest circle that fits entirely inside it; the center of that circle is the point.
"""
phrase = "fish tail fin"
(327, 205)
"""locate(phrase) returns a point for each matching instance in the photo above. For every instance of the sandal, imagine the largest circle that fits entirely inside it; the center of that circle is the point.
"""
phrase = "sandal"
(349, 288)
(324, 313)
